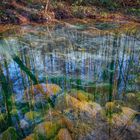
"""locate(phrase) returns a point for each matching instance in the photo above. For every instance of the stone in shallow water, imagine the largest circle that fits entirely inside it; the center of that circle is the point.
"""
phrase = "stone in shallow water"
(64, 134)
(48, 89)
(32, 116)
(125, 118)
(112, 107)
(67, 101)
(30, 137)
(9, 134)
(81, 95)
(46, 129)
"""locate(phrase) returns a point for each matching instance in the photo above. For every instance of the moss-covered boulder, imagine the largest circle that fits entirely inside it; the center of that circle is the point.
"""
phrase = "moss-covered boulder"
(14, 112)
(133, 100)
(64, 134)
(3, 122)
(81, 95)
(112, 107)
(46, 130)
(39, 93)
(30, 137)
(32, 116)
(9, 134)
(48, 89)
(125, 118)
(66, 101)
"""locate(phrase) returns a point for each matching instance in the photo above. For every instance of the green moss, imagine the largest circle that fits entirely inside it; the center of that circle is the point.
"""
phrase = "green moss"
(46, 130)
(81, 95)
(32, 115)
(14, 112)
(112, 108)
(30, 137)
(9, 134)
(3, 122)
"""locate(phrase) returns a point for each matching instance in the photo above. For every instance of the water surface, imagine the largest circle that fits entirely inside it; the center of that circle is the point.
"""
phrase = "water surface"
(99, 62)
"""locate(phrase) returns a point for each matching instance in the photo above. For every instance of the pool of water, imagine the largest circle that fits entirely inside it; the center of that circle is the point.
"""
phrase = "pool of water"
(67, 82)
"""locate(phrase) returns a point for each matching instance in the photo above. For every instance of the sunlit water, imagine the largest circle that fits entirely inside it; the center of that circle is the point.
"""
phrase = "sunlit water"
(105, 65)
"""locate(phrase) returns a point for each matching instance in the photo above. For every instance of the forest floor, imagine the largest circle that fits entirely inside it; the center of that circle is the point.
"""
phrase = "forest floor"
(21, 12)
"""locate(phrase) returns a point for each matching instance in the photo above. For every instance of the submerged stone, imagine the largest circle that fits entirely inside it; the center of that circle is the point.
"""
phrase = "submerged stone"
(30, 137)
(9, 134)
(64, 135)
(14, 112)
(44, 89)
(32, 116)
(125, 118)
(3, 122)
(46, 130)
(81, 95)
(67, 101)
(112, 107)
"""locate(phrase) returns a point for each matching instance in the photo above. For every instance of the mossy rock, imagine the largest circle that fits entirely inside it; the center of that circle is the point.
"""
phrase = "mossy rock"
(126, 117)
(81, 95)
(138, 97)
(41, 92)
(32, 115)
(63, 134)
(46, 89)
(130, 96)
(66, 101)
(112, 107)
(14, 112)
(137, 80)
(133, 100)
(3, 122)
(30, 137)
(9, 134)
(46, 130)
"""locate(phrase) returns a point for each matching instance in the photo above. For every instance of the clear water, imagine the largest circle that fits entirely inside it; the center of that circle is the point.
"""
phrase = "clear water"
(104, 65)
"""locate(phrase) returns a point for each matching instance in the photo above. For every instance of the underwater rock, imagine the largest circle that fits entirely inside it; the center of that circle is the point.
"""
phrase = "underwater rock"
(24, 124)
(9, 134)
(81, 95)
(64, 134)
(130, 96)
(14, 112)
(137, 80)
(30, 137)
(46, 90)
(46, 130)
(125, 118)
(3, 122)
(112, 107)
(66, 101)
(32, 116)
(49, 89)
(133, 100)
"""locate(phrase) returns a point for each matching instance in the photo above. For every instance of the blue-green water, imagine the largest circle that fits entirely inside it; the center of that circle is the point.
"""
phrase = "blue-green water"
(95, 72)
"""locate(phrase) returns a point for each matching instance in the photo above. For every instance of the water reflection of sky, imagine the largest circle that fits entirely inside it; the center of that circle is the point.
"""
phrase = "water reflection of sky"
(86, 57)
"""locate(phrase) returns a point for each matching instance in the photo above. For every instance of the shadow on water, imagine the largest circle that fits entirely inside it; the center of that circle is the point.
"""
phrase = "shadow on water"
(61, 82)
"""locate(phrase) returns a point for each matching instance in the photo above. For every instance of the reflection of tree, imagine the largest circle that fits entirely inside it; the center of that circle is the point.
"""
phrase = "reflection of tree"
(6, 93)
